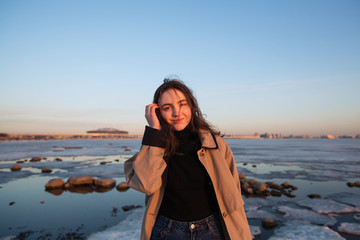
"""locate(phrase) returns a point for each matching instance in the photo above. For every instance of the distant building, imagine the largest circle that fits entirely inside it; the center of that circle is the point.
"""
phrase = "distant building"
(108, 131)
(329, 136)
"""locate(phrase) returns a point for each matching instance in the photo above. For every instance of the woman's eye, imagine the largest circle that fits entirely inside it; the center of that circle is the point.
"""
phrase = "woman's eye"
(183, 104)
(166, 108)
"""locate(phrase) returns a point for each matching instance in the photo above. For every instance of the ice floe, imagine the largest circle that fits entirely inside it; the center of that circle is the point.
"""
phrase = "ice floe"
(254, 213)
(327, 206)
(352, 199)
(306, 215)
(255, 231)
(296, 230)
(258, 202)
(351, 228)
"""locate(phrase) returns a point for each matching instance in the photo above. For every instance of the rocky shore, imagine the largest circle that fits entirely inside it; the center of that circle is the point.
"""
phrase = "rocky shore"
(70, 191)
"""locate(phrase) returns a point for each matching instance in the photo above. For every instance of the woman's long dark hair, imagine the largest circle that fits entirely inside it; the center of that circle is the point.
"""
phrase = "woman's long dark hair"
(197, 121)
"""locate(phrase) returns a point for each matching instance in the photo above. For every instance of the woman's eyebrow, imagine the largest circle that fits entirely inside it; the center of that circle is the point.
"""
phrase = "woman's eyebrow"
(180, 101)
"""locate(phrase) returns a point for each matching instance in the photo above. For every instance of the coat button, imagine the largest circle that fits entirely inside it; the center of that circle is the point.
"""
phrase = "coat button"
(192, 226)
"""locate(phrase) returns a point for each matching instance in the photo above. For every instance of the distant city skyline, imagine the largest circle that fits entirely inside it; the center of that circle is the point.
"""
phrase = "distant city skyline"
(283, 67)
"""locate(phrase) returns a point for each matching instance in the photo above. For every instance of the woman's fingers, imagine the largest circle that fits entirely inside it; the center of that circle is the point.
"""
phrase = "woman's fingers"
(151, 117)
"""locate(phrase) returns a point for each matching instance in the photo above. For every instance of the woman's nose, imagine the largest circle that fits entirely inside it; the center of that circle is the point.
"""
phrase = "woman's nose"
(176, 111)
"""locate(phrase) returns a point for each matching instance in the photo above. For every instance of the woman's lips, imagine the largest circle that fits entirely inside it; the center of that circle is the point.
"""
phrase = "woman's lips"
(177, 120)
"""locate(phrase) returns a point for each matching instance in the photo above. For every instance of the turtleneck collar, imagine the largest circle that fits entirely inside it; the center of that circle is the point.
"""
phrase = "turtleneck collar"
(186, 133)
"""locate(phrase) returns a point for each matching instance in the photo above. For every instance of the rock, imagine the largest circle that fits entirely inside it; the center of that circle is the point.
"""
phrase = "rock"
(102, 189)
(84, 180)
(314, 195)
(46, 170)
(242, 176)
(254, 165)
(56, 192)
(245, 186)
(286, 185)
(129, 207)
(268, 223)
(20, 161)
(11, 203)
(122, 187)
(293, 187)
(271, 184)
(58, 159)
(83, 189)
(105, 182)
(117, 160)
(275, 193)
(54, 184)
(73, 147)
(249, 191)
(245, 164)
(42, 202)
(127, 150)
(35, 159)
(67, 185)
(289, 195)
(104, 162)
(354, 184)
(253, 181)
(15, 167)
(260, 187)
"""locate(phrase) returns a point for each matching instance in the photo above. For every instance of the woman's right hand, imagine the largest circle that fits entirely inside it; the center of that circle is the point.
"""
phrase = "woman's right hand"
(151, 117)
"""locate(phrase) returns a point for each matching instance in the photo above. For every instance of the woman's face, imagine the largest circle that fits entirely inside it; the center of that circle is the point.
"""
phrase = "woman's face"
(174, 109)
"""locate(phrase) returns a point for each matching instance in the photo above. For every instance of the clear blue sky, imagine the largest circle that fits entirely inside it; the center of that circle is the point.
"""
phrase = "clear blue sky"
(289, 67)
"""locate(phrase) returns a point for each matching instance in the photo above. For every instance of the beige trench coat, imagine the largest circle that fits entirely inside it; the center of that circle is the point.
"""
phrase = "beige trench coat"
(145, 173)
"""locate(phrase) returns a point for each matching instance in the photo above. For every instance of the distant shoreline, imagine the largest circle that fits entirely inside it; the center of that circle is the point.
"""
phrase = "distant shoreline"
(104, 136)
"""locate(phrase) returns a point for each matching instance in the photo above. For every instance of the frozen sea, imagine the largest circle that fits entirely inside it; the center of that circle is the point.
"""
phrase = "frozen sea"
(321, 166)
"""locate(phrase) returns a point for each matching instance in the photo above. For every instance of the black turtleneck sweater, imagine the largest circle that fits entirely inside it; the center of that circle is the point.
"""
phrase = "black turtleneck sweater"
(189, 194)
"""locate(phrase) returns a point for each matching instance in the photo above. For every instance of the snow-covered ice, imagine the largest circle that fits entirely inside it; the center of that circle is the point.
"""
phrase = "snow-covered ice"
(257, 202)
(254, 213)
(296, 230)
(128, 229)
(351, 228)
(255, 231)
(352, 199)
(306, 215)
(327, 206)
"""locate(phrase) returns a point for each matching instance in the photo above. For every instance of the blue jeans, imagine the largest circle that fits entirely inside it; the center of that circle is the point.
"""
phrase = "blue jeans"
(206, 229)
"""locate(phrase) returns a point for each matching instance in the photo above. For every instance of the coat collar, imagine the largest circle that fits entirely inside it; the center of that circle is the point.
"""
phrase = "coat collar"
(207, 139)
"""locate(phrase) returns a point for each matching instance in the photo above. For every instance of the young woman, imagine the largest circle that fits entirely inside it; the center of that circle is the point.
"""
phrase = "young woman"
(187, 171)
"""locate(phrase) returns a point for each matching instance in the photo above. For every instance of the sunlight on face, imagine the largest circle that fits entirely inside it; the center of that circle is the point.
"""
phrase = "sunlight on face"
(174, 109)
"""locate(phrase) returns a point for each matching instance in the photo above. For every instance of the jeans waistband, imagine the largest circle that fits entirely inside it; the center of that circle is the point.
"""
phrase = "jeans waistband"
(173, 224)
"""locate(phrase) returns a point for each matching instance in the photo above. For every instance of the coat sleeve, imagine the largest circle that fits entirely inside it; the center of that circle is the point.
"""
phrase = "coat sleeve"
(143, 171)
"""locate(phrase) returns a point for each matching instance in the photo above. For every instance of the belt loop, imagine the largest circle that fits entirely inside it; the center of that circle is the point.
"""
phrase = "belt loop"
(170, 224)
(208, 222)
